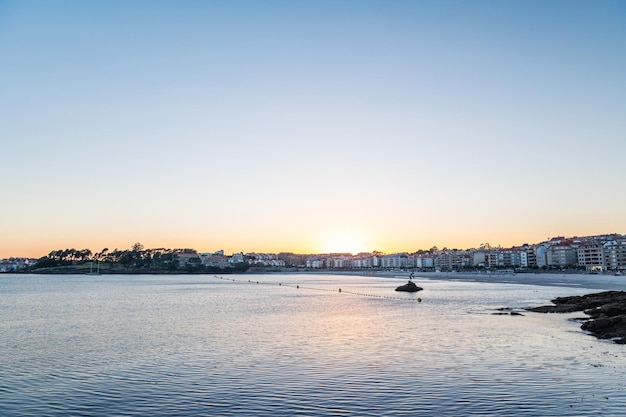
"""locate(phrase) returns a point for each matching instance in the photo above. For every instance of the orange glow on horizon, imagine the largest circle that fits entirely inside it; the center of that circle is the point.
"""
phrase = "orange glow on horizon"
(345, 242)
(340, 240)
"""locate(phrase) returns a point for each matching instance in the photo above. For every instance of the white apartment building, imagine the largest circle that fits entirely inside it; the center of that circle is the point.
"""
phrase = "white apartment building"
(362, 262)
(396, 260)
(315, 263)
(591, 256)
(236, 258)
(530, 256)
(339, 262)
(422, 261)
(615, 255)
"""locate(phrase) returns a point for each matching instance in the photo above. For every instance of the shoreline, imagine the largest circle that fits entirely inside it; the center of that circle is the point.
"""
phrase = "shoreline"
(584, 281)
(555, 279)
(606, 311)
(605, 303)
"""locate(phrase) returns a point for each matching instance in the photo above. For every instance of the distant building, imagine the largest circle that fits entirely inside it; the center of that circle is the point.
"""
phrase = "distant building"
(503, 258)
(236, 258)
(292, 259)
(449, 260)
(214, 260)
(591, 255)
(615, 255)
(425, 261)
(396, 260)
(339, 262)
(315, 263)
(531, 257)
(15, 264)
(562, 255)
(185, 259)
(363, 261)
(541, 255)
(479, 258)
(264, 259)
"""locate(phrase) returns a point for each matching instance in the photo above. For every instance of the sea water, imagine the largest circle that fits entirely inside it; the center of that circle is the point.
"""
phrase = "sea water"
(285, 345)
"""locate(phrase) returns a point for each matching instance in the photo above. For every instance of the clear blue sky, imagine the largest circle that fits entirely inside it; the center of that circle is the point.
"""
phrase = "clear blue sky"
(309, 125)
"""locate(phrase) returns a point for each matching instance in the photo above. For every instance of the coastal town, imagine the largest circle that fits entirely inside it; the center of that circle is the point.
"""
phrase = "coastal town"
(591, 254)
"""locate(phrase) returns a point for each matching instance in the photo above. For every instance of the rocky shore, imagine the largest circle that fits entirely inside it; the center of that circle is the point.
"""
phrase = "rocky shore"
(606, 310)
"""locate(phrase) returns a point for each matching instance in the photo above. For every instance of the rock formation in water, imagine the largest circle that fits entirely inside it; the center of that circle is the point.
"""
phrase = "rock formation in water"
(607, 312)
(409, 287)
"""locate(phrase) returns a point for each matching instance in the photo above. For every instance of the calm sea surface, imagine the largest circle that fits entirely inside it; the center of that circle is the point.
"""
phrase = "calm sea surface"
(203, 346)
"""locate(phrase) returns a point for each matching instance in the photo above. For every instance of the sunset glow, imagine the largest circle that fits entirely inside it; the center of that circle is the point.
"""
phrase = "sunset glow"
(346, 242)
(309, 127)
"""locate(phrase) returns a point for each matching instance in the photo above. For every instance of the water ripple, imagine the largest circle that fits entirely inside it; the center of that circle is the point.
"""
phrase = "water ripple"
(136, 346)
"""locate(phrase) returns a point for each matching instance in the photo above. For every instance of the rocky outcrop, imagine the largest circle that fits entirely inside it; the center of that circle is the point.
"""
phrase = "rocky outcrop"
(409, 287)
(505, 311)
(607, 312)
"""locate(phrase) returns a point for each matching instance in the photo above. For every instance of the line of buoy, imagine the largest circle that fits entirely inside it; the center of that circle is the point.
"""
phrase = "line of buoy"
(340, 291)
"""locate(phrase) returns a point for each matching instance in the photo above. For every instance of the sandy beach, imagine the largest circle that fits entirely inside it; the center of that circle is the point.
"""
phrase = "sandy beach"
(586, 281)
(590, 281)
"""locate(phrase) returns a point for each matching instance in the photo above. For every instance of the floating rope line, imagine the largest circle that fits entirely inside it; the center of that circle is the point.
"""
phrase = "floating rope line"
(339, 290)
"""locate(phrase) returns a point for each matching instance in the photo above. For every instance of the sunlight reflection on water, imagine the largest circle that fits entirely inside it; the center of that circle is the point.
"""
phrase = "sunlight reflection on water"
(198, 345)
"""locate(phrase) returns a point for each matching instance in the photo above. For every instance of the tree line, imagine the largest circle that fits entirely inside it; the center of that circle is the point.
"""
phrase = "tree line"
(137, 258)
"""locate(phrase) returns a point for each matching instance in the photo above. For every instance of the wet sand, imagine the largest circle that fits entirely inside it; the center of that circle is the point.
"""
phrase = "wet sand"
(585, 281)
(590, 281)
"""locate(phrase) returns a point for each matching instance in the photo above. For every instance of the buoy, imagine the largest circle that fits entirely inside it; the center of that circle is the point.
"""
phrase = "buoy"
(297, 286)
(419, 300)
(279, 284)
(339, 289)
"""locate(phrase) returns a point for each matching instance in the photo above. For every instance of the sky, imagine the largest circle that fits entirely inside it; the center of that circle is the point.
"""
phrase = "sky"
(309, 126)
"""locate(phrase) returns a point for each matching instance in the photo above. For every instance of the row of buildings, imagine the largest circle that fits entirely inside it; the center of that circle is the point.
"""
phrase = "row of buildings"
(14, 264)
(591, 253)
